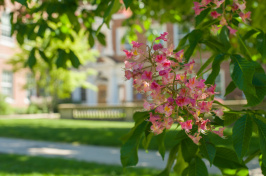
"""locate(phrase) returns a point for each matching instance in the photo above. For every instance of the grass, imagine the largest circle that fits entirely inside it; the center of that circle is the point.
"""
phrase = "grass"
(17, 165)
(101, 133)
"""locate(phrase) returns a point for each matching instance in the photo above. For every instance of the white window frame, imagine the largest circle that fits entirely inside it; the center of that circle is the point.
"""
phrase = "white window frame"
(120, 32)
(6, 40)
(7, 83)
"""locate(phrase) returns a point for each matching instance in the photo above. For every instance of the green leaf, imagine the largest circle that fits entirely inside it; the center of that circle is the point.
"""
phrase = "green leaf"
(202, 16)
(32, 59)
(74, 59)
(215, 69)
(138, 117)
(243, 48)
(242, 75)
(194, 38)
(189, 149)
(170, 161)
(207, 148)
(206, 64)
(259, 81)
(182, 43)
(263, 169)
(91, 40)
(242, 132)
(101, 39)
(61, 60)
(127, 3)
(44, 57)
(180, 164)
(226, 158)
(129, 150)
(214, 44)
(262, 137)
(249, 34)
(230, 117)
(197, 168)
(230, 88)
(146, 140)
(23, 2)
(261, 44)
(160, 141)
(224, 38)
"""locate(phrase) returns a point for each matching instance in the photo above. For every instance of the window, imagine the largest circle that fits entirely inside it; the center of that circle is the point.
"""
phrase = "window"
(122, 42)
(180, 32)
(83, 94)
(7, 84)
(31, 85)
(219, 81)
(6, 37)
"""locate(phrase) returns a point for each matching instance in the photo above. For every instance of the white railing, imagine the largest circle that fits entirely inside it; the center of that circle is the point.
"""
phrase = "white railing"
(124, 112)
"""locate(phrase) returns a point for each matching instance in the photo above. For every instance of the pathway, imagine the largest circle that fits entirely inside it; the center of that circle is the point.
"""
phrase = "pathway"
(105, 155)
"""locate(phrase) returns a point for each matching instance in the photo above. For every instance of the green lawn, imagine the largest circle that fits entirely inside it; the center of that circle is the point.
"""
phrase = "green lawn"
(103, 133)
(17, 165)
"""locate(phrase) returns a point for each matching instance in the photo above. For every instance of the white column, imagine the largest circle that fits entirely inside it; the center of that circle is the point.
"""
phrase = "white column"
(91, 95)
(76, 95)
(112, 88)
(129, 90)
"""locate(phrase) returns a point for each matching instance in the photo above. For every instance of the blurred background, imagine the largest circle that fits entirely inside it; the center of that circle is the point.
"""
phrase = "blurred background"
(64, 59)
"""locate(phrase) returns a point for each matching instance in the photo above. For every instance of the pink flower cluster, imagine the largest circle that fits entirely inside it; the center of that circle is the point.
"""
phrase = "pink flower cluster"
(238, 7)
(176, 95)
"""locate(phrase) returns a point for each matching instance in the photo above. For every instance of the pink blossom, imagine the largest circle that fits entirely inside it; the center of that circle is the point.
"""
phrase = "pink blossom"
(211, 89)
(245, 16)
(146, 86)
(159, 67)
(219, 112)
(242, 6)
(182, 101)
(138, 66)
(136, 44)
(234, 7)
(181, 77)
(189, 66)
(168, 122)
(179, 55)
(147, 75)
(128, 74)
(215, 15)
(195, 138)
(223, 22)
(205, 2)
(128, 65)
(154, 118)
(215, 29)
(166, 64)
(160, 58)
(162, 36)
(168, 110)
(197, 8)
(187, 126)
(157, 46)
(157, 128)
(205, 106)
(148, 106)
(220, 132)
(218, 3)
(160, 109)
(129, 54)
(232, 31)
(155, 86)
(203, 124)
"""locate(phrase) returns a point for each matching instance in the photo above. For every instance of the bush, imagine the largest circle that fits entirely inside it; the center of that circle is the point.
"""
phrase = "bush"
(5, 108)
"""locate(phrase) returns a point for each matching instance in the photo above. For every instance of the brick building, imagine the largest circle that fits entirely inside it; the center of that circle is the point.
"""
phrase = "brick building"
(112, 87)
